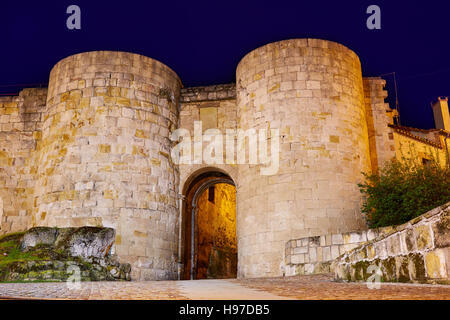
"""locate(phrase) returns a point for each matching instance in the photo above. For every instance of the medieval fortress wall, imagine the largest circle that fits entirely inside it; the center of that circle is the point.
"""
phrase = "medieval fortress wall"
(20, 129)
(95, 150)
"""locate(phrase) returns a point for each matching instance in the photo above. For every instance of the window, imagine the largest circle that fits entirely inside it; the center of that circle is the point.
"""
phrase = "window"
(211, 194)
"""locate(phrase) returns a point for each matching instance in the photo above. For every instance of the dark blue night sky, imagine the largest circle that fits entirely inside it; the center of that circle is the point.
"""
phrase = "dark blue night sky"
(203, 41)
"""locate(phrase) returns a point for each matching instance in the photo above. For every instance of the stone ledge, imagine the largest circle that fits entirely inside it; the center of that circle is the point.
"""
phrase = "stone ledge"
(422, 234)
(208, 93)
(308, 268)
(417, 251)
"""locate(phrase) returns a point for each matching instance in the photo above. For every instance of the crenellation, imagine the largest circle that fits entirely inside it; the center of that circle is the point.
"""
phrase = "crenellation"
(208, 93)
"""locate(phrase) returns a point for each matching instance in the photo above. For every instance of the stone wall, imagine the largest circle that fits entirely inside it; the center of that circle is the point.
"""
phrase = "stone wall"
(418, 251)
(215, 107)
(20, 124)
(379, 116)
(95, 151)
(312, 255)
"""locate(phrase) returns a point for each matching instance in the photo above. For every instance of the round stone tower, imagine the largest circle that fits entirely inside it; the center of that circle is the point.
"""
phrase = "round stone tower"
(312, 91)
(104, 157)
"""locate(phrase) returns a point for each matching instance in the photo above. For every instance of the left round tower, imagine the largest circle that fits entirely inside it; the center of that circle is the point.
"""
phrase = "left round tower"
(104, 157)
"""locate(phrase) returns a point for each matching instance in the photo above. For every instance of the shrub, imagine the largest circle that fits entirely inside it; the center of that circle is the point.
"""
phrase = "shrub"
(404, 190)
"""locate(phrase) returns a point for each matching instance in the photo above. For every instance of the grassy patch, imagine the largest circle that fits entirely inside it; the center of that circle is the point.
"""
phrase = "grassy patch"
(10, 250)
(11, 237)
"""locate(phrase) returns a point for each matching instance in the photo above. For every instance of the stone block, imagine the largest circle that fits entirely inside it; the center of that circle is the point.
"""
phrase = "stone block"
(361, 254)
(435, 263)
(371, 253)
(326, 252)
(287, 259)
(306, 257)
(416, 266)
(328, 241)
(410, 240)
(423, 237)
(309, 268)
(380, 249)
(358, 237)
(335, 252)
(402, 269)
(372, 234)
(393, 245)
(300, 250)
(37, 236)
(208, 116)
(337, 239)
(312, 255)
(297, 258)
(322, 241)
(300, 269)
(388, 267)
(292, 243)
(441, 230)
(319, 254)
(403, 247)
(347, 247)
(446, 252)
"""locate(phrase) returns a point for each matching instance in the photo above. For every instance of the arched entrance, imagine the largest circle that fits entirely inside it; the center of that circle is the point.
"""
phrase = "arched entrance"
(209, 249)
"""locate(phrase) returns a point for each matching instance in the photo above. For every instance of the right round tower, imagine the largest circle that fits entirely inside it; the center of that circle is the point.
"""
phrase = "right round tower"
(312, 91)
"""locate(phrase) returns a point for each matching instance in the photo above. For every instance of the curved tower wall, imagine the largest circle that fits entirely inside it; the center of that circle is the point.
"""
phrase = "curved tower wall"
(312, 91)
(104, 155)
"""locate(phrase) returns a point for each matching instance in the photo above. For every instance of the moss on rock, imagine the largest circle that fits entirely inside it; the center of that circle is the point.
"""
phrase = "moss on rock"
(52, 254)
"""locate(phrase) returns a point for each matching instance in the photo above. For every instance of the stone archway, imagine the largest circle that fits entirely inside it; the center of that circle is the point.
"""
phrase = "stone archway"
(209, 241)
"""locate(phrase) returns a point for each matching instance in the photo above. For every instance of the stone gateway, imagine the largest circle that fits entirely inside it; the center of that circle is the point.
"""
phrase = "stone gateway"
(94, 150)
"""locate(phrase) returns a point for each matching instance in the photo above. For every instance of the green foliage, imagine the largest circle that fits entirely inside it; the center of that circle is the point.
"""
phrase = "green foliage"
(404, 190)
(10, 252)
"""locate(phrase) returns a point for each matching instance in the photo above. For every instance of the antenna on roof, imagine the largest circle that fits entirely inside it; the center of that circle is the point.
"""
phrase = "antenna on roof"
(397, 104)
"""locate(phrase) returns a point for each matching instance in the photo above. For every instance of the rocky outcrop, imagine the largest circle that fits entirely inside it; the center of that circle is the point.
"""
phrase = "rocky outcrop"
(83, 242)
(53, 254)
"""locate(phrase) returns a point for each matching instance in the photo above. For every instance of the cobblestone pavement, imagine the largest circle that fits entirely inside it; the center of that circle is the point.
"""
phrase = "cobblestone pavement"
(302, 287)
(322, 287)
(151, 290)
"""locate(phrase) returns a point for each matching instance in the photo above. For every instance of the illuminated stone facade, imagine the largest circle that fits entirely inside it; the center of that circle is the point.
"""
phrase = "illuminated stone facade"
(94, 150)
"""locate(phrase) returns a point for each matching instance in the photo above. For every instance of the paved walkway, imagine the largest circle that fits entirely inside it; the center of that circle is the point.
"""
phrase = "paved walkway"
(302, 287)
